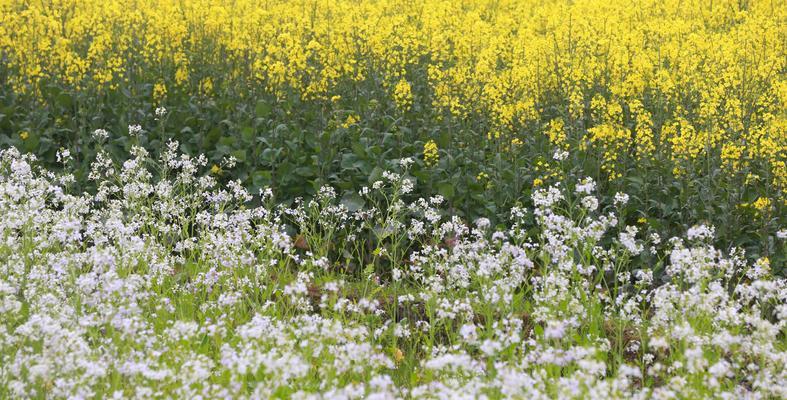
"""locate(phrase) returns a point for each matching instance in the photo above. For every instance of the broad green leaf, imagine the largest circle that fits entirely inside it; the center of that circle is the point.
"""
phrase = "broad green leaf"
(353, 201)
(263, 109)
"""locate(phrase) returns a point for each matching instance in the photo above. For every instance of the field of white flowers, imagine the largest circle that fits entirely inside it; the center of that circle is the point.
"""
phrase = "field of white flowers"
(161, 283)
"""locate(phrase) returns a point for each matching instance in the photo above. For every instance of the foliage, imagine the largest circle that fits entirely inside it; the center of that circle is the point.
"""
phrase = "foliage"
(163, 283)
(681, 104)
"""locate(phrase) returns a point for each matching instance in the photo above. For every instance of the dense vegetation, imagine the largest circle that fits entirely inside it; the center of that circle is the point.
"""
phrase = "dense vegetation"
(287, 198)
(174, 287)
(680, 104)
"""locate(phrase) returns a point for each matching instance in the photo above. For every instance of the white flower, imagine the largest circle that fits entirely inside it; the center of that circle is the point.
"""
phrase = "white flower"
(160, 112)
(326, 193)
(560, 155)
(406, 162)
(721, 369)
(391, 176)
(586, 186)
(701, 232)
(590, 203)
(782, 234)
(629, 241)
(396, 274)
(63, 155)
(134, 130)
(555, 329)
(100, 134)
(468, 333)
(229, 162)
(407, 186)
(621, 199)
(545, 198)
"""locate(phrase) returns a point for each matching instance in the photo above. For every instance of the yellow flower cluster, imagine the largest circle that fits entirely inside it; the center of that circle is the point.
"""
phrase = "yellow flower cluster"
(431, 155)
(351, 120)
(682, 80)
(761, 206)
(403, 95)
(556, 132)
(159, 91)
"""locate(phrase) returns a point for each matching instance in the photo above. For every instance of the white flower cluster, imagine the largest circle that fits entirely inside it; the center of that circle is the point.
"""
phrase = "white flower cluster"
(100, 134)
(134, 130)
(169, 285)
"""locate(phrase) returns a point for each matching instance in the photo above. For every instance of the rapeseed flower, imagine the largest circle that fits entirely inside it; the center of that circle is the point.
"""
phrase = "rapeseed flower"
(431, 154)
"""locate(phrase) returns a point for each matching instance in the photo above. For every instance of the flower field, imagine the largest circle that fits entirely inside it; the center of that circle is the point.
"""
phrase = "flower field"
(393, 199)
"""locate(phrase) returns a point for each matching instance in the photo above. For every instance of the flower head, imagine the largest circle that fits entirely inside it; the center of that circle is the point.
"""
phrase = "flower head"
(134, 130)
(431, 154)
(100, 134)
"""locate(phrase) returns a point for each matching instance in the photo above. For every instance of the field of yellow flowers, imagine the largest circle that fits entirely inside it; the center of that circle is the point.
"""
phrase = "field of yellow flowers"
(669, 114)
(693, 89)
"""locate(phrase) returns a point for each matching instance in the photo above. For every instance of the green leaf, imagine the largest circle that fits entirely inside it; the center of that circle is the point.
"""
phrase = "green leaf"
(444, 140)
(353, 201)
(247, 134)
(446, 190)
(65, 100)
(240, 155)
(359, 149)
(32, 142)
(270, 155)
(375, 175)
(212, 137)
(304, 172)
(261, 178)
(348, 161)
(263, 109)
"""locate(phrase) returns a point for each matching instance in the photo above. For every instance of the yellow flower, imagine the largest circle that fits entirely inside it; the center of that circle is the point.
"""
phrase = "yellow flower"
(762, 267)
(483, 178)
(206, 86)
(336, 98)
(159, 91)
(24, 135)
(398, 355)
(538, 182)
(751, 178)
(557, 133)
(431, 154)
(215, 169)
(762, 204)
(403, 95)
(182, 75)
(351, 120)
(642, 220)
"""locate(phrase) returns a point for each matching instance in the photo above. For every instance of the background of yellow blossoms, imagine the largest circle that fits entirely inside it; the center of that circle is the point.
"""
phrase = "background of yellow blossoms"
(700, 85)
